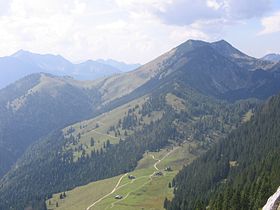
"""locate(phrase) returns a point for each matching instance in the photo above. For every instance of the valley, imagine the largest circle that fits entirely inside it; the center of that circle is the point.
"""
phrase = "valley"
(146, 191)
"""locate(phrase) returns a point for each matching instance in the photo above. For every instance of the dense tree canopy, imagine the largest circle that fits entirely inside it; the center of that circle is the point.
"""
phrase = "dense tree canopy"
(47, 168)
(240, 172)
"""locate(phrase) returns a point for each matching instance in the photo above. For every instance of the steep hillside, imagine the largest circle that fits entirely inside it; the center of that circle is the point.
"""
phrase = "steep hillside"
(172, 113)
(215, 69)
(240, 58)
(145, 191)
(241, 172)
(34, 106)
(181, 88)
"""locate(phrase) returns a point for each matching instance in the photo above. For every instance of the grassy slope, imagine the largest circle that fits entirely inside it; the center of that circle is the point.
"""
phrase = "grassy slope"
(98, 128)
(146, 191)
(80, 197)
(119, 85)
(88, 129)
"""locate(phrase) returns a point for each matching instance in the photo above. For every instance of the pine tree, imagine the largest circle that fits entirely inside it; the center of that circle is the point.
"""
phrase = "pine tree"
(92, 142)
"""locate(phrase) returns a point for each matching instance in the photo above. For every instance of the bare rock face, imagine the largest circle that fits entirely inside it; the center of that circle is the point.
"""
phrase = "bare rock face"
(273, 202)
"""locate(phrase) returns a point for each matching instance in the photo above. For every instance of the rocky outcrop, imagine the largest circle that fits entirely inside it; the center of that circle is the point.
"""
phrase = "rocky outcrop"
(273, 202)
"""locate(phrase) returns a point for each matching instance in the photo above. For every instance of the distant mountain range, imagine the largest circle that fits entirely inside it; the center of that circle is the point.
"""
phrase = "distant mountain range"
(23, 63)
(124, 67)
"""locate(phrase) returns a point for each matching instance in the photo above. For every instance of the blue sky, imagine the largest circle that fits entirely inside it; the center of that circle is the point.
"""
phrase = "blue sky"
(135, 30)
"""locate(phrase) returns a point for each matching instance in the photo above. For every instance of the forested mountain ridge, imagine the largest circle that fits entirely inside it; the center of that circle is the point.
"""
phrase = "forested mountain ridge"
(195, 76)
(36, 105)
(242, 170)
(51, 165)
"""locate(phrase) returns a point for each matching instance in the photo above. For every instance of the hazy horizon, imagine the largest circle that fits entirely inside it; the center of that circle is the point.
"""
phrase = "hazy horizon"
(133, 31)
(111, 59)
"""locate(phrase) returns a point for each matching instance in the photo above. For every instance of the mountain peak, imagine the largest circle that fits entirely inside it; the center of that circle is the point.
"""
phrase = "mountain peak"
(21, 52)
(223, 44)
(190, 45)
(226, 49)
(222, 41)
(195, 43)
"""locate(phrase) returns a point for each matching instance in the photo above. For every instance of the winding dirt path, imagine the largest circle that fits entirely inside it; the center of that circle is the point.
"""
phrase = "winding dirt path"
(155, 165)
(150, 177)
(117, 187)
(105, 196)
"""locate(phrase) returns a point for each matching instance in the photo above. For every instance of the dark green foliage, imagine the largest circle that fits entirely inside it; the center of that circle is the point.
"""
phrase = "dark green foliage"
(214, 181)
(40, 114)
(92, 142)
(47, 168)
(56, 171)
(129, 121)
(108, 144)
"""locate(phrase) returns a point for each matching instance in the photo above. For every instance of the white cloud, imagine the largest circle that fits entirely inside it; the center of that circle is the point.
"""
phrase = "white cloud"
(181, 34)
(185, 12)
(214, 4)
(144, 4)
(84, 29)
(128, 30)
(215, 27)
(271, 24)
